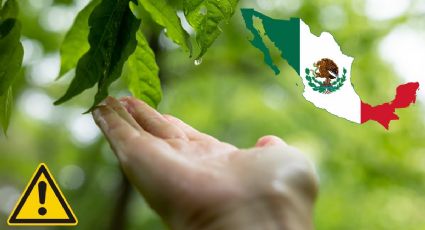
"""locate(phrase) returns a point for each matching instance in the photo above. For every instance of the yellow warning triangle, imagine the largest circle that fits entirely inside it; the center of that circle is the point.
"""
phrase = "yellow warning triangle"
(42, 203)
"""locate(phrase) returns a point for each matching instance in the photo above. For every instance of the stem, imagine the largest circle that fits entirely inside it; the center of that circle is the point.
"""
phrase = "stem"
(119, 213)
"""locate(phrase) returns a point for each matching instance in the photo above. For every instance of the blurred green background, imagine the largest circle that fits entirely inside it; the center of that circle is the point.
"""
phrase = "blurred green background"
(370, 178)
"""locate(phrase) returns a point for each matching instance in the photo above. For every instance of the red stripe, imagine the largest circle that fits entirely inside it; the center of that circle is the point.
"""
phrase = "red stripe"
(385, 113)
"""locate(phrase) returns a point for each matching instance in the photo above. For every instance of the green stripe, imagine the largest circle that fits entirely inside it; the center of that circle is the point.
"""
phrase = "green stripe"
(257, 41)
(285, 34)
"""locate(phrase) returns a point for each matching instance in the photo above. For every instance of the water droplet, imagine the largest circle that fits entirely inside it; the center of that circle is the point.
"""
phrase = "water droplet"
(165, 30)
(203, 10)
(198, 61)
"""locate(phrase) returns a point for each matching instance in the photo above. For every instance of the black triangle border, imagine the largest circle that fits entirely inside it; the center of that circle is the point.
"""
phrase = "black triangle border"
(42, 170)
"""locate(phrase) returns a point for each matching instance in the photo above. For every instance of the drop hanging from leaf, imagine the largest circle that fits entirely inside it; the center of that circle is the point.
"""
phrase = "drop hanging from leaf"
(198, 61)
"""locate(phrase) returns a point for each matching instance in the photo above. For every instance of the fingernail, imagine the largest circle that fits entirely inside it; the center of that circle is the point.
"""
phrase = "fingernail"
(269, 140)
(98, 113)
(127, 102)
(102, 103)
(109, 100)
(126, 98)
(97, 108)
(124, 103)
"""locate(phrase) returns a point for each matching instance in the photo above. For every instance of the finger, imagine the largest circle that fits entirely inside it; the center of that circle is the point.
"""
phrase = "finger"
(269, 140)
(143, 156)
(122, 112)
(190, 132)
(150, 120)
(114, 127)
(127, 140)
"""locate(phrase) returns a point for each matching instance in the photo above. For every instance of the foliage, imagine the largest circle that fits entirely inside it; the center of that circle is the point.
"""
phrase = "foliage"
(142, 73)
(11, 54)
(112, 39)
(164, 14)
(5, 108)
(111, 33)
(75, 43)
(206, 16)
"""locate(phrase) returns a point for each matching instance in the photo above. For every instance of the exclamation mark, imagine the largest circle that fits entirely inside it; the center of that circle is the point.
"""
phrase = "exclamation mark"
(42, 197)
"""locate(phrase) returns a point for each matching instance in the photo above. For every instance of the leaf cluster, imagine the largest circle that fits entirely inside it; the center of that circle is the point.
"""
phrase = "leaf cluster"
(115, 40)
(105, 37)
(11, 55)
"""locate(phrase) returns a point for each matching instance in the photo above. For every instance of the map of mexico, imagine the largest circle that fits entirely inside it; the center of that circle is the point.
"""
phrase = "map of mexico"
(324, 69)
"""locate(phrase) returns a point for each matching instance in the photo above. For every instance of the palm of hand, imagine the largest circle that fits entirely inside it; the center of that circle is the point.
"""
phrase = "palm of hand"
(191, 179)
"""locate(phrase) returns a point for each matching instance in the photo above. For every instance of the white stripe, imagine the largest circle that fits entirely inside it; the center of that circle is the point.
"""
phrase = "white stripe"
(344, 102)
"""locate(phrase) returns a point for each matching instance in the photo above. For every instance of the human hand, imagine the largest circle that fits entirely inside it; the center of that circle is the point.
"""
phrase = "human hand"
(195, 182)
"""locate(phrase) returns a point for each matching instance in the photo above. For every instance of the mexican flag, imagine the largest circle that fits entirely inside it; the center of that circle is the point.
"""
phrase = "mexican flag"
(323, 68)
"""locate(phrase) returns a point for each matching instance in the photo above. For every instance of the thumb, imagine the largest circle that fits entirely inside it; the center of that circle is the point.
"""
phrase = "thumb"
(269, 140)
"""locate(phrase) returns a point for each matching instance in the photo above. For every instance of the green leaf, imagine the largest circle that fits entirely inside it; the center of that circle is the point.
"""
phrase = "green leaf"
(205, 16)
(112, 39)
(164, 14)
(5, 109)
(9, 10)
(75, 43)
(11, 53)
(126, 44)
(142, 73)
